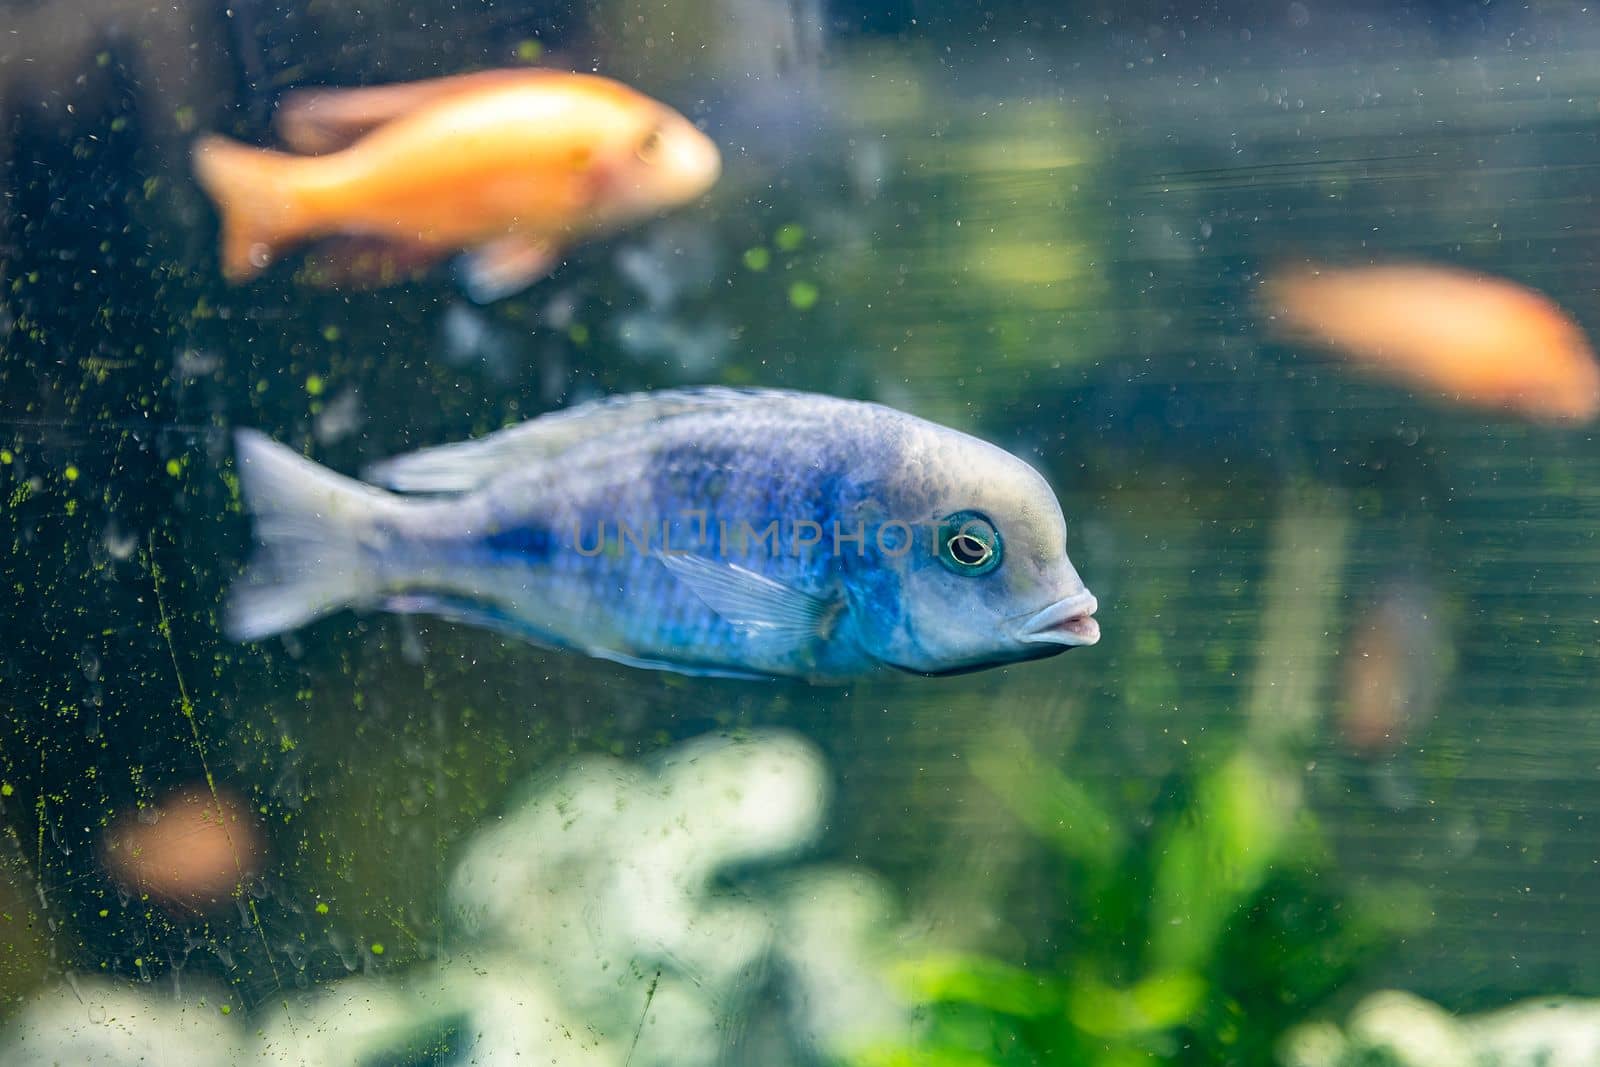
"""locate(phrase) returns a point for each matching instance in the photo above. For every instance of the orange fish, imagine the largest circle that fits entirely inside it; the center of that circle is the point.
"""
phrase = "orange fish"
(1395, 663)
(1475, 339)
(512, 166)
(192, 848)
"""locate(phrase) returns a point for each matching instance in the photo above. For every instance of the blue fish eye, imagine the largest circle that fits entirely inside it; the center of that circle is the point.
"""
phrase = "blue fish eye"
(968, 544)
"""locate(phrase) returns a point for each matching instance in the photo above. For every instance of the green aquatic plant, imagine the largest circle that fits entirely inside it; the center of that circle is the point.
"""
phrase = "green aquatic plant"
(1198, 932)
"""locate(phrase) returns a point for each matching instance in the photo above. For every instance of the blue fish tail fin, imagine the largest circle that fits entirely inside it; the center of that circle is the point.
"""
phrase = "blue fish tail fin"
(313, 536)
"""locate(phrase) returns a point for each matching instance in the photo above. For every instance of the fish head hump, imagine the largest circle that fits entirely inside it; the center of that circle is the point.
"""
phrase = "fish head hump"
(985, 578)
(611, 154)
(662, 161)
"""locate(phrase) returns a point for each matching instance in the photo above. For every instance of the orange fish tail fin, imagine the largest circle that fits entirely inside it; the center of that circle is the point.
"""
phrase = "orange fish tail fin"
(255, 199)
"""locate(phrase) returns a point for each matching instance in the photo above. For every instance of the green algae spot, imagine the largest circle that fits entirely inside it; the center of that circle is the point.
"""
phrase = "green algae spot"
(803, 295)
(6, 789)
(71, 473)
(757, 258)
(119, 124)
(529, 50)
(138, 961)
(261, 386)
(6, 457)
(789, 236)
(104, 912)
(174, 468)
(102, 59)
(314, 385)
(184, 117)
(227, 1009)
(330, 333)
(322, 907)
(579, 334)
(377, 948)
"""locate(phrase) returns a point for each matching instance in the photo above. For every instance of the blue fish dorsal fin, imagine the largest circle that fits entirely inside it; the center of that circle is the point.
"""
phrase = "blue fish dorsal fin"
(462, 467)
(752, 603)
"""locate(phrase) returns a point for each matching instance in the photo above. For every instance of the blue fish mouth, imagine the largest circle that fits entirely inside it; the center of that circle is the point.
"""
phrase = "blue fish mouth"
(1068, 622)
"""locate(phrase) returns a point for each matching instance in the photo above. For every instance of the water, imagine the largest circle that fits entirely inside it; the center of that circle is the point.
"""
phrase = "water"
(1048, 236)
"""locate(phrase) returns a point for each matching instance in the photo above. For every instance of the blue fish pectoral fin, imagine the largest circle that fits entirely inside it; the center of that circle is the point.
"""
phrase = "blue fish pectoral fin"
(505, 266)
(753, 603)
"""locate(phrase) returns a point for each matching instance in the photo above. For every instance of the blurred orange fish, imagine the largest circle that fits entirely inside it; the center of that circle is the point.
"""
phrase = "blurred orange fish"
(193, 848)
(1477, 340)
(1396, 660)
(511, 165)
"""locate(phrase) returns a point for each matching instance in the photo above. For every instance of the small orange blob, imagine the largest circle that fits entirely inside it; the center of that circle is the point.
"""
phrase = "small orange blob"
(1474, 339)
(190, 849)
(1396, 661)
(510, 166)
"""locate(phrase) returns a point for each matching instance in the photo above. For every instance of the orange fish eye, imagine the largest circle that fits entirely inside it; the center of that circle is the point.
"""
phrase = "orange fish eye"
(650, 147)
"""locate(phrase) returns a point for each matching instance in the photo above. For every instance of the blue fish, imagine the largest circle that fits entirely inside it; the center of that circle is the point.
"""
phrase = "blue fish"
(709, 531)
